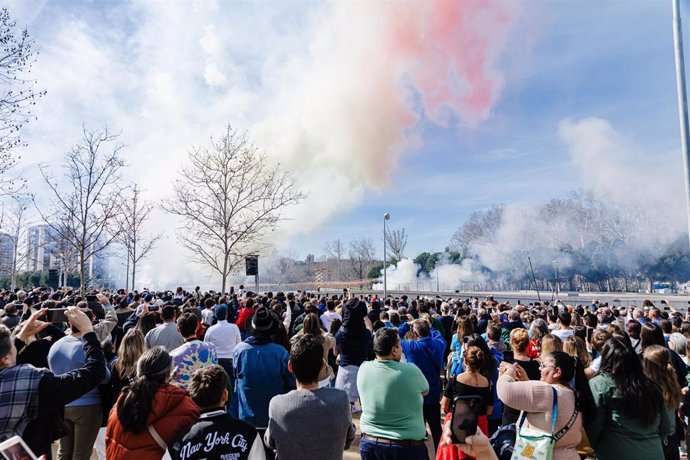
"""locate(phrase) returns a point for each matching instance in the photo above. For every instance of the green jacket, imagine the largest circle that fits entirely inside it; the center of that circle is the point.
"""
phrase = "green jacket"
(615, 436)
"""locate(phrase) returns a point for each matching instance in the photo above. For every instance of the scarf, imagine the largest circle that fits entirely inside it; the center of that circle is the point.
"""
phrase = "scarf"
(19, 404)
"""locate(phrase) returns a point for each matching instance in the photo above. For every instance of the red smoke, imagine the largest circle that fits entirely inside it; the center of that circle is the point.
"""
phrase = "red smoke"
(451, 47)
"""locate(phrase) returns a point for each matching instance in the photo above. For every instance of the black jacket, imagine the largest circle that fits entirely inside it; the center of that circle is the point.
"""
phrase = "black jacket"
(54, 391)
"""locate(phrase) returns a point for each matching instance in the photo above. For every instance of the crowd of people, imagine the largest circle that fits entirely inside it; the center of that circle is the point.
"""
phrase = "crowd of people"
(240, 375)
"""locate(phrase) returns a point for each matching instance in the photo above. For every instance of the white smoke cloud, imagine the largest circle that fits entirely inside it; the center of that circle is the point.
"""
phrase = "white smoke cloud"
(333, 93)
(445, 277)
(640, 191)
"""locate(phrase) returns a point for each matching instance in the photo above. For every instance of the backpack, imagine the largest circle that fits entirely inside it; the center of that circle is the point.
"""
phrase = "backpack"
(503, 441)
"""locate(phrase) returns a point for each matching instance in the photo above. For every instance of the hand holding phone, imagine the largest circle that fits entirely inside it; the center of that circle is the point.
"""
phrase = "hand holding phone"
(16, 448)
(465, 416)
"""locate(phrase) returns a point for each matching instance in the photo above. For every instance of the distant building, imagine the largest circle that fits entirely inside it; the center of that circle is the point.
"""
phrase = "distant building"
(42, 248)
(6, 254)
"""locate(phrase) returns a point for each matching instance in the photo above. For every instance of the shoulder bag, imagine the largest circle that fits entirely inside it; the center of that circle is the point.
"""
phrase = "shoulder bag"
(532, 443)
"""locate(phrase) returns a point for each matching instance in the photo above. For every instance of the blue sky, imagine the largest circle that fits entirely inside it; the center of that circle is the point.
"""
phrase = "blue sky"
(171, 74)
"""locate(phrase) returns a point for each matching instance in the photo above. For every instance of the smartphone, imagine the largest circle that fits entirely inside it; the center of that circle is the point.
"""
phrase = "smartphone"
(153, 307)
(508, 357)
(91, 298)
(465, 417)
(16, 449)
(57, 315)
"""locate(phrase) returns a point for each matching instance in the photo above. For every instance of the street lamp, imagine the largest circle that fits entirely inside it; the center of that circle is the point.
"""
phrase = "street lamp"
(386, 216)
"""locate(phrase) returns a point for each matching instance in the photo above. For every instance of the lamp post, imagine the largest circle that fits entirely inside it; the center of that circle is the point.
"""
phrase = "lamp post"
(386, 216)
(682, 100)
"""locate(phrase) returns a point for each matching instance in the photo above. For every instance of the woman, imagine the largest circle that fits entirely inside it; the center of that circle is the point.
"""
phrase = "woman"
(538, 329)
(471, 382)
(576, 347)
(465, 328)
(629, 421)
(312, 325)
(519, 341)
(535, 398)
(656, 363)
(353, 347)
(490, 371)
(551, 343)
(150, 412)
(146, 322)
(652, 334)
(124, 369)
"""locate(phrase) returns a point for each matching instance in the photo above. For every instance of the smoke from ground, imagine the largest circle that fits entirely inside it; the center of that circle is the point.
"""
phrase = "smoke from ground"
(633, 208)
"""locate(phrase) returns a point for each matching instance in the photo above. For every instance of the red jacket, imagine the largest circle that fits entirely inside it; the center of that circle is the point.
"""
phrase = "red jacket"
(171, 412)
(242, 318)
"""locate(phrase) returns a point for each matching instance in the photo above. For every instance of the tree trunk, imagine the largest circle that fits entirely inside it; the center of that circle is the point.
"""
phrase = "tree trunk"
(82, 280)
(134, 273)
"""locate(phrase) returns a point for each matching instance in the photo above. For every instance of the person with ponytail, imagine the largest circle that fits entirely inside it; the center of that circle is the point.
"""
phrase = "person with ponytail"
(150, 412)
(471, 382)
(630, 421)
(656, 364)
(566, 375)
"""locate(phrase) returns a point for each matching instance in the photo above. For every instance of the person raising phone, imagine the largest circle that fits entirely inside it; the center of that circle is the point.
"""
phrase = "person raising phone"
(469, 383)
(33, 399)
(535, 398)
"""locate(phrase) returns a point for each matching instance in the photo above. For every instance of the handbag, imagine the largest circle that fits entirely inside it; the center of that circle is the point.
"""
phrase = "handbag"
(533, 443)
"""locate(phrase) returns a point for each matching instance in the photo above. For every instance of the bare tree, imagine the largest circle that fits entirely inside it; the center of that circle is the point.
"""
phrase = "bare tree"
(135, 212)
(83, 214)
(480, 226)
(17, 95)
(396, 240)
(362, 255)
(229, 197)
(17, 226)
(335, 250)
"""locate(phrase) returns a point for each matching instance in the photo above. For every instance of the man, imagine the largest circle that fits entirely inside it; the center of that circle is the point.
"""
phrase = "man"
(33, 399)
(564, 330)
(392, 395)
(193, 354)
(10, 319)
(261, 370)
(165, 335)
(207, 316)
(309, 422)
(225, 336)
(426, 352)
(328, 317)
(216, 434)
(83, 416)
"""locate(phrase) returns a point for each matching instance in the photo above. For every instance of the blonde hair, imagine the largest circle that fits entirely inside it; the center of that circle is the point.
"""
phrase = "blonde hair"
(657, 367)
(576, 347)
(551, 343)
(133, 345)
(519, 340)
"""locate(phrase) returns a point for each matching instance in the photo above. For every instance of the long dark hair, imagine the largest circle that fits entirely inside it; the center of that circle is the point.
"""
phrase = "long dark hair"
(651, 334)
(640, 398)
(134, 406)
(489, 364)
(572, 370)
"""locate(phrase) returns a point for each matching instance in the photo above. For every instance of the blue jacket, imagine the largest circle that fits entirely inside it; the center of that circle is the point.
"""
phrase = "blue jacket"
(427, 354)
(261, 372)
